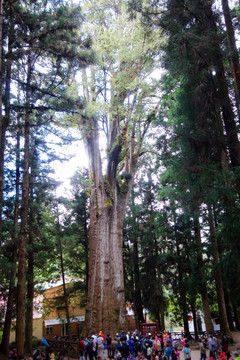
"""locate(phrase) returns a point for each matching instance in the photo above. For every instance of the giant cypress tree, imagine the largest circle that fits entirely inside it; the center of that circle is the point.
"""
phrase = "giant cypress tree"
(118, 100)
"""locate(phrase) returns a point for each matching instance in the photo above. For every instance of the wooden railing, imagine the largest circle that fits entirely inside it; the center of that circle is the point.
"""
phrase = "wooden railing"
(65, 346)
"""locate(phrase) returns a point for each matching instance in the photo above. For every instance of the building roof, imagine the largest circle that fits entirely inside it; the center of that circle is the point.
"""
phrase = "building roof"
(51, 322)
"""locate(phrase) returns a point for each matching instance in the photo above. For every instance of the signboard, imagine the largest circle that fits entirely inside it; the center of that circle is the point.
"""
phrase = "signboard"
(149, 328)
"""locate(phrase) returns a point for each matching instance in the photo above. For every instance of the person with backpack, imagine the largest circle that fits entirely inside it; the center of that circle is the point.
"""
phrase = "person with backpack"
(100, 344)
(203, 350)
(89, 348)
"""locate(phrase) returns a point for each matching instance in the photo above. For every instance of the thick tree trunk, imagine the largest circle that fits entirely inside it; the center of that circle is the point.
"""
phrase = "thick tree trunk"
(161, 301)
(30, 295)
(236, 316)
(138, 306)
(86, 241)
(203, 287)
(234, 57)
(223, 94)
(218, 275)
(106, 308)
(65, 290)
(193, 307)
(4, 348)
(229, 310)
(21, 285)
(30, 269)
(182, 290)
(160, 291)
(106, 299)
(22, 255)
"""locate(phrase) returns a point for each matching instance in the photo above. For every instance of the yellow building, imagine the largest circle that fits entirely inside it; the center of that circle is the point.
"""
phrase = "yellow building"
(55, 319)
(49, 315)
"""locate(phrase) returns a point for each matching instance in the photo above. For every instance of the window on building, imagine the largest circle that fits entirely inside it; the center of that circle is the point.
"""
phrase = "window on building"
(64, 329)
(49, 330)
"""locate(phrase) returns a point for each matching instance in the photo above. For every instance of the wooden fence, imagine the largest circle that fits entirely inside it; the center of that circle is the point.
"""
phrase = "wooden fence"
(65, 346)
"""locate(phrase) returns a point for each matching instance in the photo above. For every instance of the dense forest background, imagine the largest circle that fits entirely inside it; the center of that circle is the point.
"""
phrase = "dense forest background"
(160, 83)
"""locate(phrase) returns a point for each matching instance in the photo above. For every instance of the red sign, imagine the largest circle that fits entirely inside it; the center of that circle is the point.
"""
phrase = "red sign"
(149, 328)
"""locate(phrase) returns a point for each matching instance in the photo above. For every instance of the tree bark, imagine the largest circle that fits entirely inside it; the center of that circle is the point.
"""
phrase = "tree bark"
(223, 93)
(30, 294)
(218, 275)
(161, 320)
(234, 57)
(85, 244)
(229, 310)
(106, 308)
(161, 301)
(182, 288)
(65, 290)
(193, 307)
(22, 255)
(138, 306)
(236, 316)
(106, 301)
(203, 287)
(30, 269)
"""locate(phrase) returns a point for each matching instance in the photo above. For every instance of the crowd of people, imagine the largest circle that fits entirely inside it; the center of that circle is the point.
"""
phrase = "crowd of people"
(135, 346)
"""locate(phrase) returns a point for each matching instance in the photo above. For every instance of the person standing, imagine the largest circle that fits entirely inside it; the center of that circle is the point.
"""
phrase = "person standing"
(187, 352)
(168, 352)
(89, 348)
(81, 348)
(224, 342)
(203, 350)
(213, 345)
(149, 351)
(109, 346)
(131, 345)
(169, 341)
(236, 355)
(157, 345)
(100, 345)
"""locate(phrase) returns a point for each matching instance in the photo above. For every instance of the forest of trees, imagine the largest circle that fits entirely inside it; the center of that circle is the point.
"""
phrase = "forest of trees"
(152, 89)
